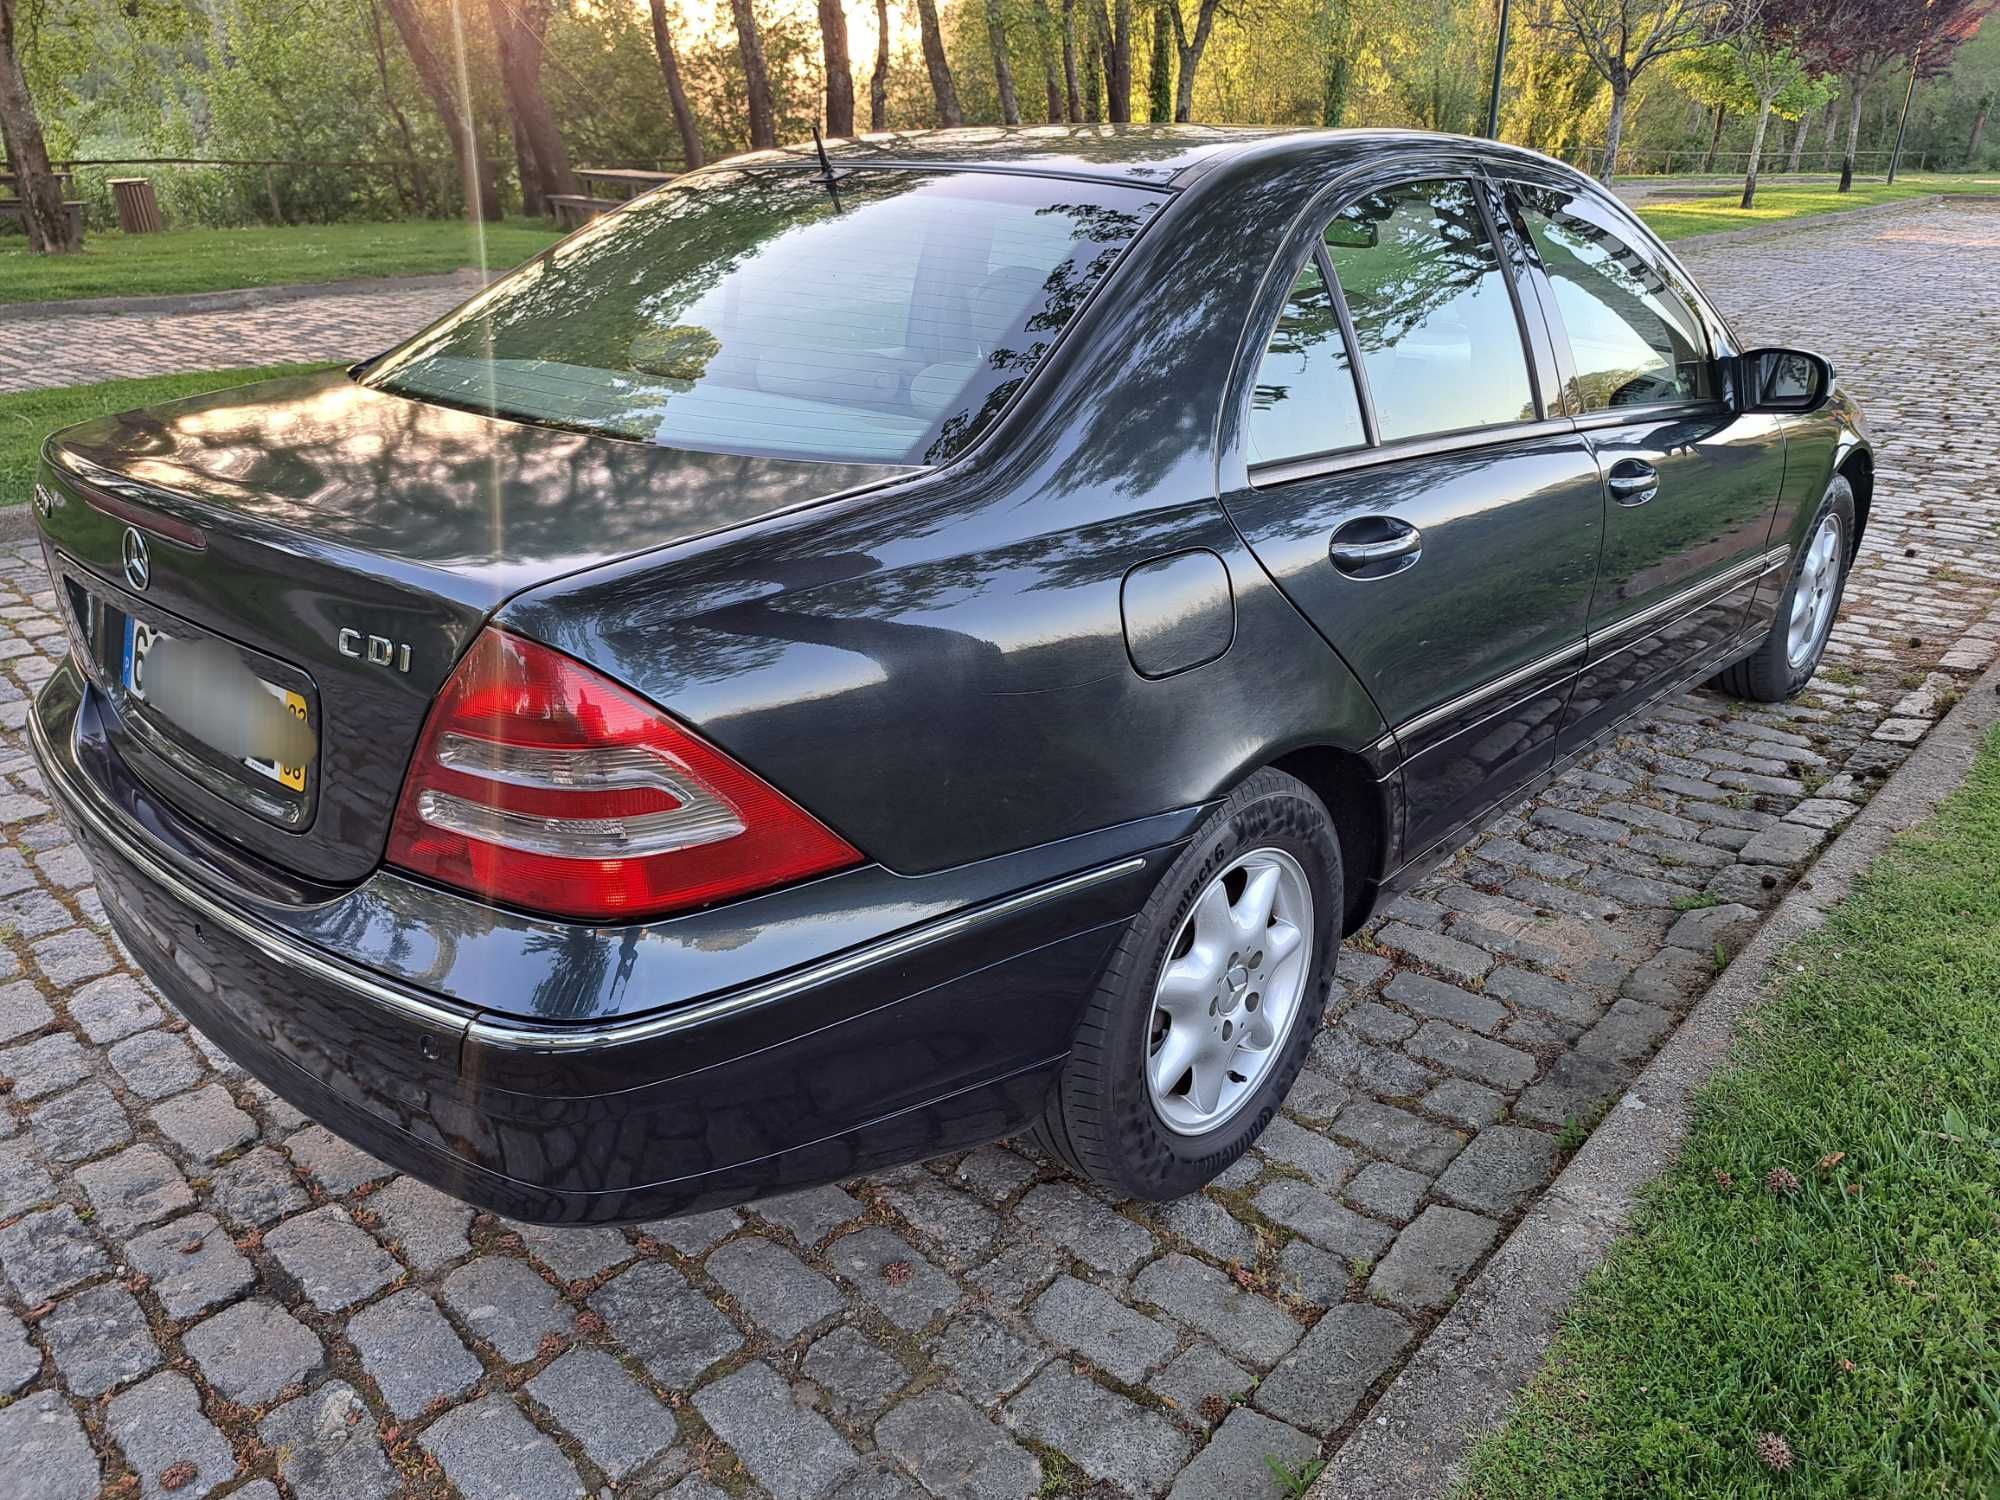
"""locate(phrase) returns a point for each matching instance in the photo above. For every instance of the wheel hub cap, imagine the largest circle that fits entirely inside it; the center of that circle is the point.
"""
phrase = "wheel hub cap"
(1229, 991)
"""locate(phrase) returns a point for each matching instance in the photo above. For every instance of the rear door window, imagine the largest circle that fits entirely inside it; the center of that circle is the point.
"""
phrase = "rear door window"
(1434, 319)
(885, 317)
(1634, 336)
(1304, 401)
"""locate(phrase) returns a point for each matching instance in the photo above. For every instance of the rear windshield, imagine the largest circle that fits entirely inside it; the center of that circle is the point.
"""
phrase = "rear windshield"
(885, 318)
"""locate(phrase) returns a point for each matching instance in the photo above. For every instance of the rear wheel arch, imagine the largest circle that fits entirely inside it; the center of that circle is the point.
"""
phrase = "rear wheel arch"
(1343, 781)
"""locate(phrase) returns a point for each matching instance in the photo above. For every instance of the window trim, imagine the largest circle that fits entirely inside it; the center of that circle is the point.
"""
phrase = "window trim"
(1266, 473)
(1608, 416)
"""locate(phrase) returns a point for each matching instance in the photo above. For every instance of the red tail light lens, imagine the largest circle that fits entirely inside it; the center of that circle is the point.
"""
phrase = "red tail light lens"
(540, 784)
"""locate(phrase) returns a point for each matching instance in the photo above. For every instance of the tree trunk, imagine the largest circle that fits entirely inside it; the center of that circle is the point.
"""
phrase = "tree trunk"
(1072, 95)
(1190, 54)
(1046, 48)
(1339, 67)
(1118, 62)
(756, 76)
(1853, 142)
(839, 70)
(670, 69)
(878, 82)
(482, 194)
(396, 111)
(1756, 154)
(1714, 139)
(949, 114)
(533, 201)
(42, 214)
(521, 30)
(1003, 70)
(1614, 130)
(1093, 78)
(1799, 143)
(1978, 131)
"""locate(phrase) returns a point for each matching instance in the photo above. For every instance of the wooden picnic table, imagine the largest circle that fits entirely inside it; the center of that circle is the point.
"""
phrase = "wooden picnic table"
(580, 208)
(11, 207)
(626, 177)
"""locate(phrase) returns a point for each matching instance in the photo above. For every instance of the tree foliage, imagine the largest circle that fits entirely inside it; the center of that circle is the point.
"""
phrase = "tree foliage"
(337, 81)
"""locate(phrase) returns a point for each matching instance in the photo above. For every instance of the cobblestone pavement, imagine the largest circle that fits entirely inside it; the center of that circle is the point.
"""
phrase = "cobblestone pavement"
(205, 1294)
(73, 348)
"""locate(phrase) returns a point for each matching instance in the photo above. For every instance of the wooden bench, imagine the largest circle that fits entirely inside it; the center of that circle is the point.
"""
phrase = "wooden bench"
(573, 209)
(15, 209)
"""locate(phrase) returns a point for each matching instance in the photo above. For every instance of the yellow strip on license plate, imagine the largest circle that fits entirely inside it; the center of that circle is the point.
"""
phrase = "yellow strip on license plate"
(291, 776)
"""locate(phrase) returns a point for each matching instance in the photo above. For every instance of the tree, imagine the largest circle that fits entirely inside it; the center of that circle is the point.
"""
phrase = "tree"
(670, 70)
(839, 71)
(43, 214)
(1160, 75)
(878, 81)
(1003, 71)
(757, 76)
(1072, 95)
(935, 62)
(1338, 66)
(1623, 38)
(475, 168)
(1112, 31)
(1862, 40)
(1189, 51)
(1048, 49)
(521, 33)
(1978, 129)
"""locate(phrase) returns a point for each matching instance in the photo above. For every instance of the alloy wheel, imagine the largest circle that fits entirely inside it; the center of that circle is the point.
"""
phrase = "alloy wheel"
(1229, 991)
(1812, 600)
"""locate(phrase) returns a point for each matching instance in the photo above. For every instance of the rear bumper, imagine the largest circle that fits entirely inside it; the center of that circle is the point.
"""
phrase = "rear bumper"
(934, 1037)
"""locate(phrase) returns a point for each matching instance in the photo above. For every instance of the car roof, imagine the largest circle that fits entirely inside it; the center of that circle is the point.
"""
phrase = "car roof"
(1153, 155)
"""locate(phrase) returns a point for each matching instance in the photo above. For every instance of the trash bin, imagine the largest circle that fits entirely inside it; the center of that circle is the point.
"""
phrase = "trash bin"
(138, 209)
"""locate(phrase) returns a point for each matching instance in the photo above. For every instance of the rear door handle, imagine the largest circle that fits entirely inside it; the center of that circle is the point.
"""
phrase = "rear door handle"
(1632, 481)
(1375, 547)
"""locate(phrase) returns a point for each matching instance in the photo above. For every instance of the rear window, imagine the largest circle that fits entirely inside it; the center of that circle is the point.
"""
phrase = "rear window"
(884, 319)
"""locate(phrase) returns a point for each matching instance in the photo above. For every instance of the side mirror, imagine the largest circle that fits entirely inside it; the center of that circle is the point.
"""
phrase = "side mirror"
(1782, 380)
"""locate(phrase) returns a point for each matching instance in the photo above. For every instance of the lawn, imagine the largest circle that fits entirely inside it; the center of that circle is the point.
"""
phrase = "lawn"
(1810, 1303)
(1676, 218)
(207, 260)
(27, 417)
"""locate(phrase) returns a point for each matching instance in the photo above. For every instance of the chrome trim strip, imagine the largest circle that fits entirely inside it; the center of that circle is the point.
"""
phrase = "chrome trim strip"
(291, 951)
(1492, 689)
(548, 1039)
(1693, 597)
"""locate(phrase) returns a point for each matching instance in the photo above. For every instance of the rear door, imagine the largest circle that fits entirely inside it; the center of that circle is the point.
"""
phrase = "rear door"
(1692, 485)
(1406, 484)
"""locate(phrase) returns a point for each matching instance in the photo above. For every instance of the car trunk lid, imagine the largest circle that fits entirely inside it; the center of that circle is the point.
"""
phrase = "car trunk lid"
(343, 545)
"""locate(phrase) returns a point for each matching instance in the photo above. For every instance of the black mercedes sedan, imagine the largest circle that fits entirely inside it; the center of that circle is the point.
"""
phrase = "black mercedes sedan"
(855, 655)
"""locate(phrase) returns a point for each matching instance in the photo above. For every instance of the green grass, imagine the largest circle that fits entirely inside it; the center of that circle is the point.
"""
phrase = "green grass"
(1852, 1308)
(1676, 218)
(27, 417)
(209, 260)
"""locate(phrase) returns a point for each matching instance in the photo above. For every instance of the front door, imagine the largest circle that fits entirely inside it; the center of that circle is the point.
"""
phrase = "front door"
(1692, 485)
(1409, 496)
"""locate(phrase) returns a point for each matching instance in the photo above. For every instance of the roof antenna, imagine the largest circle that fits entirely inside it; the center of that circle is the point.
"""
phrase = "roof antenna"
(826, 173)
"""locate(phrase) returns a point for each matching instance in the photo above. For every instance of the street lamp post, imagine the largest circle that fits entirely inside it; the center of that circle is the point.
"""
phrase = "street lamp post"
(1916, 60)
(1499, 68)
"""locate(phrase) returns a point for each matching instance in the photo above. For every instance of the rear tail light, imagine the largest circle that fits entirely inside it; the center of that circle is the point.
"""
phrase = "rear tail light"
(540, 784)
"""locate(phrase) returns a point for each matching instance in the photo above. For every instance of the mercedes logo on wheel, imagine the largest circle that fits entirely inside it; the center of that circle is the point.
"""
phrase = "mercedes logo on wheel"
(138, 560)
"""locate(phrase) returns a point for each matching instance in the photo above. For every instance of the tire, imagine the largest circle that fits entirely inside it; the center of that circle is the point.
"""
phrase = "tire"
(1776, 670)
(1105, 1118)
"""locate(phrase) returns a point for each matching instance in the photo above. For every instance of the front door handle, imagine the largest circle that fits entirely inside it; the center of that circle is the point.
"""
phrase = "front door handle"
(1375, 547)
(1632, 481)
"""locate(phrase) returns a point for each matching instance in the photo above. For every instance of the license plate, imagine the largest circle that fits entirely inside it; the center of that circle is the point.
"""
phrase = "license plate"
(139, 640)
